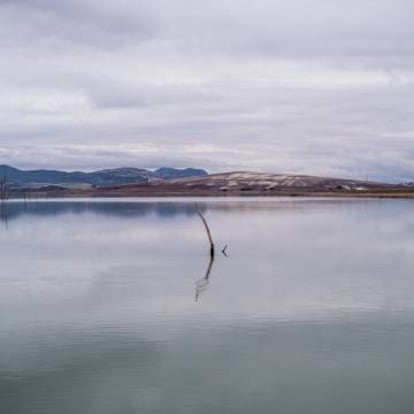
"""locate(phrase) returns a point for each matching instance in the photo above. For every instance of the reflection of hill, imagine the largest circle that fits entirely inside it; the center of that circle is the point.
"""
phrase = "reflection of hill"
(15, 210)
(171, 208)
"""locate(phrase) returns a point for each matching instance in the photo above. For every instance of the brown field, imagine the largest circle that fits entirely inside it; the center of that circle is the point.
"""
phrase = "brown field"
(173, 190)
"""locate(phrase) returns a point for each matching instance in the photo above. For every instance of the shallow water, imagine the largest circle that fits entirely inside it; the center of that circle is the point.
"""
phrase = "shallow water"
(105, 307)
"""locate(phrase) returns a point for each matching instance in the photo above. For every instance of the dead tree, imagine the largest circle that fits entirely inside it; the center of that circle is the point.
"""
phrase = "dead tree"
(210, 238)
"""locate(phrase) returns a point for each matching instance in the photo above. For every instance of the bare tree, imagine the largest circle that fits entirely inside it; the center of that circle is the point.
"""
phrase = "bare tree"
(202, 284)
(210, 238)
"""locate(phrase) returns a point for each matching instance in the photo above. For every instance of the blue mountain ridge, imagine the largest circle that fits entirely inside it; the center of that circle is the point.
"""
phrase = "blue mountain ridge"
(100, 178)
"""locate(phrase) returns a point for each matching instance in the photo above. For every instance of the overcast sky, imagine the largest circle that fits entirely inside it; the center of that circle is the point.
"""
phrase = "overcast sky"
(297, 86)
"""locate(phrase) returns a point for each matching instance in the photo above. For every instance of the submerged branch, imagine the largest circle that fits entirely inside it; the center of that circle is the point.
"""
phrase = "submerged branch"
(210, 238)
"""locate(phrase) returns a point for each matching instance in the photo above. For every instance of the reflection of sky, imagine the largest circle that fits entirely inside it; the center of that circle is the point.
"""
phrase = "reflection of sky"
(288, 259)
(97, 310)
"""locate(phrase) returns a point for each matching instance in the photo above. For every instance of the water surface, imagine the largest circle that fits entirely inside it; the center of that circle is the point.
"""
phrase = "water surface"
(105, 307)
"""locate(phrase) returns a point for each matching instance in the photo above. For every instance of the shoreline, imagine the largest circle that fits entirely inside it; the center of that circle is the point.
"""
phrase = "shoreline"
(157, 193)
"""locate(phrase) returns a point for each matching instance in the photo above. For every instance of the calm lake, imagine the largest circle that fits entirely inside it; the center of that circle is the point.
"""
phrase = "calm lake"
(105, 307)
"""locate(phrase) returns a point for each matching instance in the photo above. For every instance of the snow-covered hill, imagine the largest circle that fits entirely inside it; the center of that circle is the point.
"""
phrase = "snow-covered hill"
(250, 181)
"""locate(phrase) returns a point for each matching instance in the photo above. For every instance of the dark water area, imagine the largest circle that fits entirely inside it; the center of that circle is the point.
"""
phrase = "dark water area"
(105, 307)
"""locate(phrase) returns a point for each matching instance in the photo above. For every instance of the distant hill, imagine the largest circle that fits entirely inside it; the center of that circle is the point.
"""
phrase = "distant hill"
(100, 178)
(239, 183)
(259, 181)
(135, 182)
(170, 173)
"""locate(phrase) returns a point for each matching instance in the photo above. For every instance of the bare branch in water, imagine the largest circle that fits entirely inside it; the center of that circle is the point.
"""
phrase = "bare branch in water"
(210, 239)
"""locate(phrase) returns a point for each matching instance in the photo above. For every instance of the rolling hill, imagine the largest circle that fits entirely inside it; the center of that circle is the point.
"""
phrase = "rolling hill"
(101, 178)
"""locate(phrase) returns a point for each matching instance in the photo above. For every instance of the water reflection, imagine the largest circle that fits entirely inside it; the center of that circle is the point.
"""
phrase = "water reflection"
(166, 208)
(17, 209)
(313, 311)
(202, 284)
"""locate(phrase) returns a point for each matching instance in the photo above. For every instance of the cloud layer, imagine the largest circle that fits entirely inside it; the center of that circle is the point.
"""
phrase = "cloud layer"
(318, 87)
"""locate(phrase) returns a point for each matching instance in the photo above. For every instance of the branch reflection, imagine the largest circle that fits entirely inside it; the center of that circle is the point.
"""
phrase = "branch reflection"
(202, 284)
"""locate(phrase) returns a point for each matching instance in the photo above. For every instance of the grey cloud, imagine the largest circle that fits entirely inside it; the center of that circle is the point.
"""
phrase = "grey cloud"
(71, 22)
(363, 28)
(301, 86)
